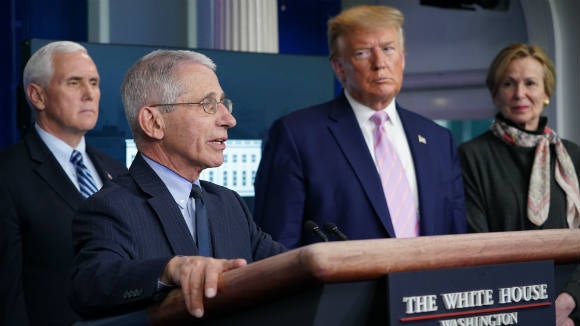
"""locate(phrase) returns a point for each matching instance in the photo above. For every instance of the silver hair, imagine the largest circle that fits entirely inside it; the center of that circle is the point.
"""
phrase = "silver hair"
(153, 79)
(39, 68)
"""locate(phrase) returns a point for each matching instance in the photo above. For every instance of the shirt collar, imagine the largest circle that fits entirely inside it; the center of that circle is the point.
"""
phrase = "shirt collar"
(61, 150)
(364, 113)
(178, 186)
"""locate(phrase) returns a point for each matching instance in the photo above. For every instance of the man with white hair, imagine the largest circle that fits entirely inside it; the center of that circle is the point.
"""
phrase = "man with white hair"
(159, 227)
(43, 180)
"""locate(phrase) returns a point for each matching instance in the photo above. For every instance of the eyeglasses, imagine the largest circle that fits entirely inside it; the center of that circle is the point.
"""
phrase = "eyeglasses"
(209, 104)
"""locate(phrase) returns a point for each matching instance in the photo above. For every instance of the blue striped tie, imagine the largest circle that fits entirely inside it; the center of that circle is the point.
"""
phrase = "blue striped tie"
(87, 185)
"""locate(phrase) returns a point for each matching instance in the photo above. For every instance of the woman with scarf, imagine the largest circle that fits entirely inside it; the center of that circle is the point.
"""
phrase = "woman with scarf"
(520, 175)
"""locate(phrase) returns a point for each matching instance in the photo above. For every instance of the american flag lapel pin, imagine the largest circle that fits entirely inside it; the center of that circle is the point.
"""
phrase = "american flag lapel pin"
(422, 139)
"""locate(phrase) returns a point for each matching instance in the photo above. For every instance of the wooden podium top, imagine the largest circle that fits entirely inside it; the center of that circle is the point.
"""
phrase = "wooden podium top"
(358, 260)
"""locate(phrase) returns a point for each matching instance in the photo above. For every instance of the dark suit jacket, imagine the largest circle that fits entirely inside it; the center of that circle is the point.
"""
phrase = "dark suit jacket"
(126, 233)
(37, 203)
(316, 165)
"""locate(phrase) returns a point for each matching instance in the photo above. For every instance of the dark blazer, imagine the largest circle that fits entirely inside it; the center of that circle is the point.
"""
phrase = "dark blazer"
(316, 165)
(37, 203)
(126, 233)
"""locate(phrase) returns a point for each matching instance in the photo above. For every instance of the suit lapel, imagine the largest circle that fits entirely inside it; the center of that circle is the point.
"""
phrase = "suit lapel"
(164, 206)
(105, 175)
(418, 141)
(50, 170)
(226, 226)
(346, 131)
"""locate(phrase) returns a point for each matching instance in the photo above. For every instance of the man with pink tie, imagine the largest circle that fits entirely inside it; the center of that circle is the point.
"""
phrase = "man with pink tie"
(331, 162)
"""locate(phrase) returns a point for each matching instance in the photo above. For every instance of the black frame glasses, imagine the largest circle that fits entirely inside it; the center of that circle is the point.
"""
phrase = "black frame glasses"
(209, 104)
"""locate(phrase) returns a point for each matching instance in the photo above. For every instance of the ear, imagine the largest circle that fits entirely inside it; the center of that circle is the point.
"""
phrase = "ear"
(151, 122)
(338, 68)
(36, 96)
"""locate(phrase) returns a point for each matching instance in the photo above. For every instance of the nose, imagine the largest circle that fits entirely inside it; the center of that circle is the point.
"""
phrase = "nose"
(227, 119)
(89, 91)
(520, 91)
(379, 59)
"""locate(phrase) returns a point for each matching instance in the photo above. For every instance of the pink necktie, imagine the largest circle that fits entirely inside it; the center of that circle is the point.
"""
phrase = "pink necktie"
(395, 184)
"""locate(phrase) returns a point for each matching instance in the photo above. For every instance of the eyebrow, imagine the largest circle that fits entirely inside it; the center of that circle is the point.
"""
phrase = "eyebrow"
(79, 78)
(214, 95)
(524, 77)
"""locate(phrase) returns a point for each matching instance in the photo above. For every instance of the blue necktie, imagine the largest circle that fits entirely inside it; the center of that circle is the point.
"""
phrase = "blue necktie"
(201, 223)
(87, 185)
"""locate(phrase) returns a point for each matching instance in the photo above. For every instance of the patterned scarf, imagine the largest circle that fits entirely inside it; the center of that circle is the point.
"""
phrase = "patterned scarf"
(539, 191)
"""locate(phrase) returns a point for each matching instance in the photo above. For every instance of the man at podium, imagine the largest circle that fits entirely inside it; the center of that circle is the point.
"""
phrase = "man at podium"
(159, 227)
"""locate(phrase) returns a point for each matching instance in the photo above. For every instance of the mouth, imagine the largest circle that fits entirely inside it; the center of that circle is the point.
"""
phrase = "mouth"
(220, 142)
(88, 110)
(382, 79)
(519, 107)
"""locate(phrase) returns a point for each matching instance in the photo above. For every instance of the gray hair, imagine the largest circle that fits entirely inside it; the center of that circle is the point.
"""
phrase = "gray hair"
(153, 79)
(39, 68)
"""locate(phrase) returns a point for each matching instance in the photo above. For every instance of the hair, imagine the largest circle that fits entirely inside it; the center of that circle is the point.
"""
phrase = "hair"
(500, 63)
(153, 79)
(363, 17)
(40, 68)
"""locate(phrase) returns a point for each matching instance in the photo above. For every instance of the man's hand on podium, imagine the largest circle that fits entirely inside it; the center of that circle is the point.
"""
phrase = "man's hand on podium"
(564, 306)
(197, 276)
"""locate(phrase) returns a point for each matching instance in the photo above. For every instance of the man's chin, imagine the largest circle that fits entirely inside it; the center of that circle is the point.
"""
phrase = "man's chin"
(215, 164)
(87, 125)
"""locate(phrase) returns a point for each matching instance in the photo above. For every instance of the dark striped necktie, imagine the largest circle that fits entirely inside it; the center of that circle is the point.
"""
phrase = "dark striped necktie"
(87, 184)
(201, 223)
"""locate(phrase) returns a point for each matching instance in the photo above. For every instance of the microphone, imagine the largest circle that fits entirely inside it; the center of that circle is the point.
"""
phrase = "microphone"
(332, 228)
(311, 226)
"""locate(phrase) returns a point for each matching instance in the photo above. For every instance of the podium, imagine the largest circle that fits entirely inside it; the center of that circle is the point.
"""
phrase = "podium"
(343, 282)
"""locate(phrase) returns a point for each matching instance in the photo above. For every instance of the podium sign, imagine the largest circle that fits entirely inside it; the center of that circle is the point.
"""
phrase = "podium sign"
(504, 294)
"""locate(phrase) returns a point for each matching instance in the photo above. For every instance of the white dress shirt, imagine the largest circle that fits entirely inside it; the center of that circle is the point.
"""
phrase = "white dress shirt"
(395, 133)
(62, 152)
